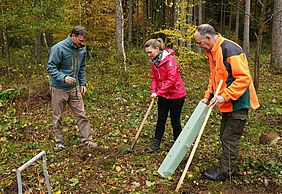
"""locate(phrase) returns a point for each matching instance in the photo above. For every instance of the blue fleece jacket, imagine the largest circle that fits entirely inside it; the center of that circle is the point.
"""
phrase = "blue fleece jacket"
(67, 60)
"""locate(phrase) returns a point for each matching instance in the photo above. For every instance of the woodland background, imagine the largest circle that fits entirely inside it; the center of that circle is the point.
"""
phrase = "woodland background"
(118, 76)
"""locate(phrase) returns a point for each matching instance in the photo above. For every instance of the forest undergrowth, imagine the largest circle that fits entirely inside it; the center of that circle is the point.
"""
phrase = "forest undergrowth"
(116, 102)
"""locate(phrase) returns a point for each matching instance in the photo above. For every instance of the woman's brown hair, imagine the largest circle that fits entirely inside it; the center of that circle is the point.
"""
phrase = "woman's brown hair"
(155, 43)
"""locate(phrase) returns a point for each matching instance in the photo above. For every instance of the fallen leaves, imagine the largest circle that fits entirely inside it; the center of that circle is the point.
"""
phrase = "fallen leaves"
(118, 168)
(115, 117)
(74, 181)
(149, 183)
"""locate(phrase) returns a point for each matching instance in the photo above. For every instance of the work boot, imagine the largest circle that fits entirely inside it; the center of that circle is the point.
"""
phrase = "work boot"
(217, 175)
(154, 146)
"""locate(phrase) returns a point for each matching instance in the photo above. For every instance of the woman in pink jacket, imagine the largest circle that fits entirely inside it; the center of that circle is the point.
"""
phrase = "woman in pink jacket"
(168, 86)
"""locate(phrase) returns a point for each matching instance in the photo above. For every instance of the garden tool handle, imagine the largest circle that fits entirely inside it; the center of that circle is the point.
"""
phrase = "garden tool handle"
(143, 122)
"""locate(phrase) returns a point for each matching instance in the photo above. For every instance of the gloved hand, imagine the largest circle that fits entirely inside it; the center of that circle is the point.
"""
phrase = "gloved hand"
(205, 101)
(83, 90)
(153, 95)
(216, 100)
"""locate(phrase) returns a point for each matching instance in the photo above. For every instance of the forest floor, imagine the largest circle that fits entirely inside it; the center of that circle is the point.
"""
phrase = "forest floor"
(115, 109)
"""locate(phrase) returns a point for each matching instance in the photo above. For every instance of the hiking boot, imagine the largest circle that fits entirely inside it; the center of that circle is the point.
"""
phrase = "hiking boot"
(217, 175)
(59, 146)
(236, 171)
(154, 146)
(91, 144)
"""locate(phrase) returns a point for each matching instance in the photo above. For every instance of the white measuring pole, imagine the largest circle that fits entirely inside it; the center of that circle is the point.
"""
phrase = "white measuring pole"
(42, 155)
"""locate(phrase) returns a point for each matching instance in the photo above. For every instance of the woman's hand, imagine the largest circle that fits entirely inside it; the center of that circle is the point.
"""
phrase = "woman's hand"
(154, 95)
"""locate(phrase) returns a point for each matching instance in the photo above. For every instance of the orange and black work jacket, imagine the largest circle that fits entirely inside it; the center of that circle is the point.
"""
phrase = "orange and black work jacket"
(229, 63)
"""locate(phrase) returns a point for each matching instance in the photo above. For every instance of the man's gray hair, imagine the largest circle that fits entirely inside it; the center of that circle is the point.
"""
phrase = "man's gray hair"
(79, 30)
(204, 29)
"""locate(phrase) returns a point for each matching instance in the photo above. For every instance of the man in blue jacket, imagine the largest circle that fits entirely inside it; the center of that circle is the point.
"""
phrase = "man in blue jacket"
(66, 67)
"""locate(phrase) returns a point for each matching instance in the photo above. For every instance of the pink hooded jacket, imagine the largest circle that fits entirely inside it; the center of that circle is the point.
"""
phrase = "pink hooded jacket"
(166, 80)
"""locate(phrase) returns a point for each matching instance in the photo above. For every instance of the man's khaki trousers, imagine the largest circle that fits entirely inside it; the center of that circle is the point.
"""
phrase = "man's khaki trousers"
(74, 99)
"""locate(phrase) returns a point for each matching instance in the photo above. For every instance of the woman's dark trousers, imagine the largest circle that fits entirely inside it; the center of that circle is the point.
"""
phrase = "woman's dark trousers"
(174, 107)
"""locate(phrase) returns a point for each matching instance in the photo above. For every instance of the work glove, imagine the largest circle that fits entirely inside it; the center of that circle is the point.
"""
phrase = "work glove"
(83, 90)
(153, 95)
(216, 101)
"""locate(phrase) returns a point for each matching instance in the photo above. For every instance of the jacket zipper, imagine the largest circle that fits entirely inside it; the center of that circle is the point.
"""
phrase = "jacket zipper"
(75, 63)
(214, 65)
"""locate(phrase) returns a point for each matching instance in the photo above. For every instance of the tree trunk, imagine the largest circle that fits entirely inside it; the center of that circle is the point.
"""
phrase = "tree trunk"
(120, 35)
(37, 38)
(80, 12)
(175, 18)
(230, 17)
(237, 20)
(221, 17)
(276, 54)
(200, 12)
(200, 18)
(158, 13)
(137, 24)
(38, 48)
(144, 21)
(224, 17)
(261, 26)
(203, 11)
(151, 12)
(190, 19)
(119, 27)
(194, 11)
(5, 39)
(246, 43)
(174, 14)
(119, 30)
(257, 60)
(164, 23)
(6, 45)
(130, 22)
(45, 42)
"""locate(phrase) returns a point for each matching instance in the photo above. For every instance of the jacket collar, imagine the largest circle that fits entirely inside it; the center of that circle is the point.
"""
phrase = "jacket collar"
(217, 44)
(166, 54)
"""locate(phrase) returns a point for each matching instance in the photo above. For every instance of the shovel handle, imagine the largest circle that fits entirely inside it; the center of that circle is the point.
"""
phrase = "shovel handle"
(197, 141)
(143, 122)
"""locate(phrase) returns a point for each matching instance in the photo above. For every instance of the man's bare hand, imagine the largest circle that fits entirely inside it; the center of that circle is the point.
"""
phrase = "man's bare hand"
(83, 90)
(216, 101)
(70, 80)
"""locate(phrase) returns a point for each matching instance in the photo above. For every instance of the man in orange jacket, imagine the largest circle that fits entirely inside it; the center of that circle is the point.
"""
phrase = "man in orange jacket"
(237, 94)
